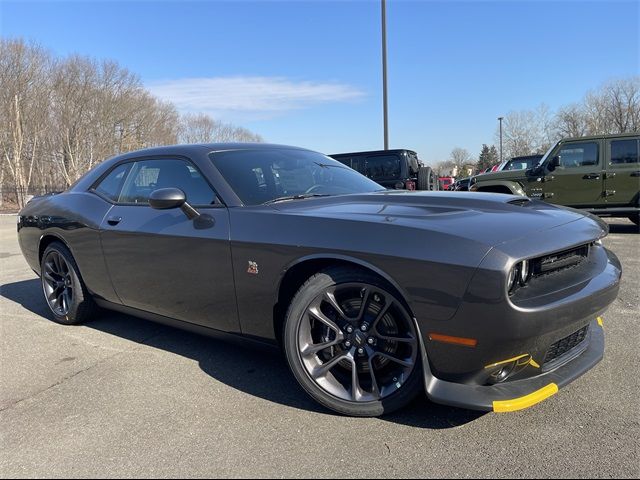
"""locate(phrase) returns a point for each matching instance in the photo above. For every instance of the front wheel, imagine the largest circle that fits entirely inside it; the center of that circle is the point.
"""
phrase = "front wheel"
(352, 345)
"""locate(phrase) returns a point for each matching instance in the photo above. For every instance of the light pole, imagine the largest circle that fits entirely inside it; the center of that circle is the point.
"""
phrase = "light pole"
(500, 119)
(384, 75)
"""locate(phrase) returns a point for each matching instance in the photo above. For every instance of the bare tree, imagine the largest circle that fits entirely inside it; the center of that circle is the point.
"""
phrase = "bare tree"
(527, 132)
(612, 108)
(201, 128)
(571, 121)
(460, 159)
(60, 117)
(24, 70)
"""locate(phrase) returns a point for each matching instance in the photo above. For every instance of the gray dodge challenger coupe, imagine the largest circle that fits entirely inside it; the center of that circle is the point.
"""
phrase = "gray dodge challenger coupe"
(484, 301)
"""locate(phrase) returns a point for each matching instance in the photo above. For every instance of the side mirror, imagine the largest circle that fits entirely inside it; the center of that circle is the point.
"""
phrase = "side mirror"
(169, 198)
(554, 163)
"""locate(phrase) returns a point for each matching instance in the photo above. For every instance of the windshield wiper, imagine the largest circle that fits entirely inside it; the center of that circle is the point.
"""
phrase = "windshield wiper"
(301, 196)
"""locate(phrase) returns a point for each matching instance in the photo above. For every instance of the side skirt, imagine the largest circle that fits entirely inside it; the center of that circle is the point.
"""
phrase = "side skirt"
(234, 338)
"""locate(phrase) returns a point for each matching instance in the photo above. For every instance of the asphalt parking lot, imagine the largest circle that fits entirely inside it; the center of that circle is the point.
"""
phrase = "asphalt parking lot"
(124, 397)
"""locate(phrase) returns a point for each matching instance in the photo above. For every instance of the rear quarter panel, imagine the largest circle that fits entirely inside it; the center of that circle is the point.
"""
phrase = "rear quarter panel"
(74, 218)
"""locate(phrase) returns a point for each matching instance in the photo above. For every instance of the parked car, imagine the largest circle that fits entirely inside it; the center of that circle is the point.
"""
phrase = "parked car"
(374, 295)
(599, 174)
(446, 182)
(393, 169)
(461, 185)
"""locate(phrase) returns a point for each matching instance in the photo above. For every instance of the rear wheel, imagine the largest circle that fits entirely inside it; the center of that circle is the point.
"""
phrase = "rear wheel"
(64, 290)
(425, 178)
(351, 343)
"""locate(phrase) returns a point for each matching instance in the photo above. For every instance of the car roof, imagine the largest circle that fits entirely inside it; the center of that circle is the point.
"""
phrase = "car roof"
(374, 152)
(205, 148)
(598, 137)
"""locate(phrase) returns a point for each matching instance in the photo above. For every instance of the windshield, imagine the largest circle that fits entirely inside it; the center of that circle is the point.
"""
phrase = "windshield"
(544, 157)
(521, 163)
(263, 175)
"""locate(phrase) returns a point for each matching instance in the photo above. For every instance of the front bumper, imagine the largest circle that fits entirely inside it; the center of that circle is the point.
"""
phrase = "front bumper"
(519, 394)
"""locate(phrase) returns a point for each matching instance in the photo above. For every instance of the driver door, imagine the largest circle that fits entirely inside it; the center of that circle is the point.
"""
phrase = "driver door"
(160, 261)
(578, 180)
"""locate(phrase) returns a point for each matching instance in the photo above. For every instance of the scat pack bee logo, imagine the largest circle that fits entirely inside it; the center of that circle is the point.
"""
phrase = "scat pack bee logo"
(253, 268)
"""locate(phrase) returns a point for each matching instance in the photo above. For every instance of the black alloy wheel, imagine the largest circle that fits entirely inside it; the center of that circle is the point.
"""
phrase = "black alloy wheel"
(63, 288)
(57, 283)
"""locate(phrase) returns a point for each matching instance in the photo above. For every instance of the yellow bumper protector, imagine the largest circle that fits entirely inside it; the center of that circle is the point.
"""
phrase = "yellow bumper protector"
(601, 322)
(527, 401)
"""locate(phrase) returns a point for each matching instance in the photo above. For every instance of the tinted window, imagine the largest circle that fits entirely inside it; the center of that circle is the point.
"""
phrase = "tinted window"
(624, 151)
(259, 176)
(383, 167)
(111, 185)
(149, 175)
(579, 155)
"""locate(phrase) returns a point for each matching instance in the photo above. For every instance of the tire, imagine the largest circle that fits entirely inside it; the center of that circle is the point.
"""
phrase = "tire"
(424, 178)
(323, 355)
(435, 185)
(64, 291)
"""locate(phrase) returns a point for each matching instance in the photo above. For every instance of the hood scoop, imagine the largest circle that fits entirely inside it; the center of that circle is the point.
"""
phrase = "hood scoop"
(520, 202)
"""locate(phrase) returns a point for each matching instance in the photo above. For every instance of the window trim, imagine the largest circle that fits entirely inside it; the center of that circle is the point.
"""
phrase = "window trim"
(218, 203)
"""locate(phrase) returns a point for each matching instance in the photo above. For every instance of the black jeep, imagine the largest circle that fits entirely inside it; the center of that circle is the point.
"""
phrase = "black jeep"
(399, 169)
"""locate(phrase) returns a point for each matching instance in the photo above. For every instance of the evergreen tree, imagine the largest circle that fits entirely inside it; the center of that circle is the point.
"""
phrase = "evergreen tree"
(488, 157)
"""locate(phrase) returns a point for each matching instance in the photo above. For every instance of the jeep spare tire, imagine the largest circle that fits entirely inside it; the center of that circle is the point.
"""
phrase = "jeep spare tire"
(424, 178)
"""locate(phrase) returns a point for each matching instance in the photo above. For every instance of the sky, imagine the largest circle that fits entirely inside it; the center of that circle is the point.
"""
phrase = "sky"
(308, 73)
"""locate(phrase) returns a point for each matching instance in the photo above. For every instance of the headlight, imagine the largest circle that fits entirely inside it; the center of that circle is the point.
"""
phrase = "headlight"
(519, 275)
(525, 272)
(512, 280)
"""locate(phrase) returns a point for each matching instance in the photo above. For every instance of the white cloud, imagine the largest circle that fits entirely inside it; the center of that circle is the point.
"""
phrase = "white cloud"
(250, 98)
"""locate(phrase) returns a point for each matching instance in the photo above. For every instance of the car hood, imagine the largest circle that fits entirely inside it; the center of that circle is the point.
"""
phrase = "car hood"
(487, 218)
(513, 175)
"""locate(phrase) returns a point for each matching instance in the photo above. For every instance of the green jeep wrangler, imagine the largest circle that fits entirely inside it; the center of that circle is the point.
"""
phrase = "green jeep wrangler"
(600, 174)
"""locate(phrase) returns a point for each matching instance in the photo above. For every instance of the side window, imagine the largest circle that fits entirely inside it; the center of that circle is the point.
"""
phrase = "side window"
(358, 164)
(624, 151)
(576, 155)
(149, 175)
(111, 185)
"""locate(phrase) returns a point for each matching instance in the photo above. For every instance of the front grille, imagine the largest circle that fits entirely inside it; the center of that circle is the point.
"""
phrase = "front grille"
(563, 347)
(560, 261)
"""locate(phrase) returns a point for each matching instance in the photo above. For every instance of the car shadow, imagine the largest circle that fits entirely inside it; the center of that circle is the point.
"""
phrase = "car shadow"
(260, 373)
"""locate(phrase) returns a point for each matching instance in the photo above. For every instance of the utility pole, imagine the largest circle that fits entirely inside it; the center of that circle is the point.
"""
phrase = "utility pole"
(500, 119)
(384, 75)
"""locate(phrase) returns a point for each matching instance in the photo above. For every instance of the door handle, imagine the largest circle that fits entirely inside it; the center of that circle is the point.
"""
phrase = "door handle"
(113, 221)
(591, 176)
